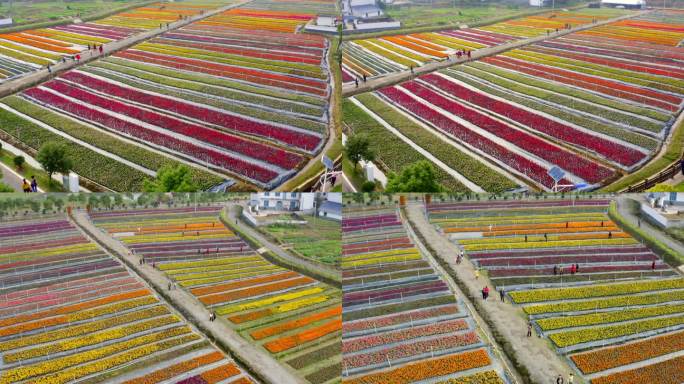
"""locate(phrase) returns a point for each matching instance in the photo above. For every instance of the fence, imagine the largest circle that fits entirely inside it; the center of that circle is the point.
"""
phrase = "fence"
(666, 174)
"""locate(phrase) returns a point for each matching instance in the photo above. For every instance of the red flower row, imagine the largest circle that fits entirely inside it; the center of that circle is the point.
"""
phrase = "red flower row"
(217, 158)
(614, 151)
(219, 118)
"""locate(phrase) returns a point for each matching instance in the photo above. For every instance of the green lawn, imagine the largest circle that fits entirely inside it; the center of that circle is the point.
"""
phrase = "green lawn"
(319, 239)
(25, 12)
(446, 15)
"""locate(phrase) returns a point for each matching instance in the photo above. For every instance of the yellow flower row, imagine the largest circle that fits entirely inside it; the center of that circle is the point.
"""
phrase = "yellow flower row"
(296, 304)
(56, 365)
(190, 235)
(82, 329)
(267, 301)
(91, 339)
(381, 260)
(552, 294)
(34, 254)
(229, 274)
(206, 263)
(101, 365)
(232, 269)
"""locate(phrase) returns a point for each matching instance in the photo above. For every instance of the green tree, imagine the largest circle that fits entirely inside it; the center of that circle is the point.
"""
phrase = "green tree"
(19, 161)
(171, 179)
(417, 177)
(358, 148)
(54, 158)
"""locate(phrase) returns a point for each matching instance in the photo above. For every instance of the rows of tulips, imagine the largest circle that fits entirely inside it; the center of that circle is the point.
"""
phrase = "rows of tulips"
(517, 162)
(293, 324)
(608, 358)
(405, 334)
(557, 260)
(308, 335)
(548, 270)
(552, 323)
(411, 349)
(293, 305)
(619, 153)
(603, 303)
(219, 118)
(178, 369)
(245, 283)
(565, 252)
(573, 337)
(374, 270)
(100, 264)
(255, 291)
(455, 207)
(396, 319)
(120, 125)
(403, 291)
(666, 372)
(486, 377)
(578, 165)
(82, 329)
(216, 375)
(605, 241)
(427, 369)
(604, 290)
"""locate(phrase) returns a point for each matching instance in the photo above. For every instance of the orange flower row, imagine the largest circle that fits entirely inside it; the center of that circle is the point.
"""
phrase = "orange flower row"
(221, 373)
(163, 228)
(414, 47)
(42, 40)
(601, 360)
(251, 316)
(259, 290)
(425, 369)
(177, 369)
(294, 324)
(552, 230)
(665, 372)
(37, 44)
(242, 283)
(288, 342)
(74, 307)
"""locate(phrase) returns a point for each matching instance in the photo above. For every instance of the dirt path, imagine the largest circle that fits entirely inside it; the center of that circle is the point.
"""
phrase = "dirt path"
(327, 271)
(534, 353)
(350, 89)
(261, 363)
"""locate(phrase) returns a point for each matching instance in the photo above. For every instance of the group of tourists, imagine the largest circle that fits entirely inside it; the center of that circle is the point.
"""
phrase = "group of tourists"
(363, 78)
(29, 187)
(574, 268)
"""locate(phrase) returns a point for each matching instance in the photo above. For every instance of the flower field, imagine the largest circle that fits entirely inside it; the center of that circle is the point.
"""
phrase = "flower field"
(607, 303)
(208, 94)
(395, 53)
(588, 103)
(26, 51)
(69, 311)
(532, 243)
(294, 317)
(402, 323)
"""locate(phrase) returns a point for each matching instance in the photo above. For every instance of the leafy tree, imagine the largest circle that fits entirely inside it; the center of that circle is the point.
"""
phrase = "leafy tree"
(48, 205)
(59, 203)
(93, 201)
(54, 158)
(19, 161)
(5, 188)
(358, 148)
(171, 179)
(368, 186)
(417, 177)
(118, 200)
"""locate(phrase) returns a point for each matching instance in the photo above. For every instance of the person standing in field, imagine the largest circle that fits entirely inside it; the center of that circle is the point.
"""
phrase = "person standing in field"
(34, 184)
(25, 186)
(529, 329)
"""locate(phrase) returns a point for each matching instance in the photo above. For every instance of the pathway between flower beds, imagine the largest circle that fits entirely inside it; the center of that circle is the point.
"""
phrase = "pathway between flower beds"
(263, 365)
(350, 89)
(21, 83)
(541, 361)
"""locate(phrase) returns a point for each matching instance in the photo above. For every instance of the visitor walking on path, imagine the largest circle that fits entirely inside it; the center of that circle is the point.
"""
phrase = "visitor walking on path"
(101, 49)
(571, 379)
(559, 379)
(25, 186)
(653, 265)
(485, 293)
(34, 184)
(529, 329)
(477, 274)
(502, 294)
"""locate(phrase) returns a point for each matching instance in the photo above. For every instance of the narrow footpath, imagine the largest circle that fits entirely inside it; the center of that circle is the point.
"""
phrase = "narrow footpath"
(373, 84)
(534, 353)
(265, 367)
(327, 271)
(19, 84)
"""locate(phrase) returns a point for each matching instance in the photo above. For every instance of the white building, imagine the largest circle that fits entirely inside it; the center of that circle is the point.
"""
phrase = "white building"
(282, 201)
(624, 3)
(331, 207)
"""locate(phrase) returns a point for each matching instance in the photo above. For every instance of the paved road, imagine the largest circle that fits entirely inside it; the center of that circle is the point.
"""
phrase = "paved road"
(534, 353)
(350, 89)
(260, 362)
(318, 268)
(11, 179)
